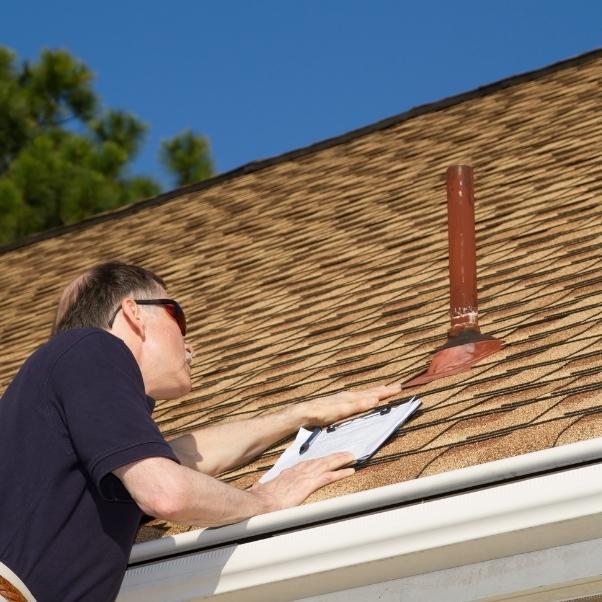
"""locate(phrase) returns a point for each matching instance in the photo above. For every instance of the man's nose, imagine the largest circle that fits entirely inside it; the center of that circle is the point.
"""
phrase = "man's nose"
(188, 348)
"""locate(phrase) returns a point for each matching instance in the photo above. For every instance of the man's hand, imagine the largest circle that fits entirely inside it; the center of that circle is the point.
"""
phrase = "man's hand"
(326, 410)
(176, 493)
(204, 449)
(294, 484)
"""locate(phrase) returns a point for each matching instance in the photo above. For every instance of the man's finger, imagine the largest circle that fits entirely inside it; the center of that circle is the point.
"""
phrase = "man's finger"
(337, 460)
(334, 475)
(343, 473)
(328, 463)
(388, 390)
(380, 392)
(371, 397)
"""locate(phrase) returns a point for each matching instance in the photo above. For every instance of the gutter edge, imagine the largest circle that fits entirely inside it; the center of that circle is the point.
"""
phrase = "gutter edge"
(371, 500)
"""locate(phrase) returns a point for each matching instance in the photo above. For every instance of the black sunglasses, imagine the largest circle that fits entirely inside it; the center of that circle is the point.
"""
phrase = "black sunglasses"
(171, 307)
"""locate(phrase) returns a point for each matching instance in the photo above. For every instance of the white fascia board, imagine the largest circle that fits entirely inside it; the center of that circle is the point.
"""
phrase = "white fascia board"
(504, 520)
(551, 575)
(373, 499)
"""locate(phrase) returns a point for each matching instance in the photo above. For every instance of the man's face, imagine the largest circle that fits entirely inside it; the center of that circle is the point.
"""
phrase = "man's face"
(165, 355)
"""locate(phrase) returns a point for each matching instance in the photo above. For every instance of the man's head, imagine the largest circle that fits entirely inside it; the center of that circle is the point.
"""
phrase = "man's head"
(105, 297)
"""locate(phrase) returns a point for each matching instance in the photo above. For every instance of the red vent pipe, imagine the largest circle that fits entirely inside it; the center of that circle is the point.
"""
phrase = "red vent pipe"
(465, 345)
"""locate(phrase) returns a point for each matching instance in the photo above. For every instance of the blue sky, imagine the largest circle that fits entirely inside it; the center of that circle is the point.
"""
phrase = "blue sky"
(262, 77)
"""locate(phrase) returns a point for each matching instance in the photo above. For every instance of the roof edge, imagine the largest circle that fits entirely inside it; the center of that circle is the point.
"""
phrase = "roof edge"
(516, 518)
(373, 500)
(258, 165)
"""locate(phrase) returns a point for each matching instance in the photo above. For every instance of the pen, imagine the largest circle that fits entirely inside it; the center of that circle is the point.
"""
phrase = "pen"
(314, 433)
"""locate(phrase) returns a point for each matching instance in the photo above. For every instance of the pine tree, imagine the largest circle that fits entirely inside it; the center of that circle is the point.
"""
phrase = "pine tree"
(63, 157)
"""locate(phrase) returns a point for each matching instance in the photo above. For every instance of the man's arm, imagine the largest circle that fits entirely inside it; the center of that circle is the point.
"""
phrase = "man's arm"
(215, 449)
(166, 490)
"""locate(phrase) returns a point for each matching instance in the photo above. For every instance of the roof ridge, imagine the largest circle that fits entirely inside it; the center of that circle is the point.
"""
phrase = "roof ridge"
(258, 165)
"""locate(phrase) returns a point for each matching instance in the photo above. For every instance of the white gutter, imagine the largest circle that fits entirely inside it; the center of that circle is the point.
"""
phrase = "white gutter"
(373, 499)
(539, 513)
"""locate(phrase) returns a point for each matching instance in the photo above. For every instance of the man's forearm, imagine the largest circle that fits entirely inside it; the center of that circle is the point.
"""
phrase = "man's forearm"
(166, 490)
(207, 502)
(218, 448)
(215, 449)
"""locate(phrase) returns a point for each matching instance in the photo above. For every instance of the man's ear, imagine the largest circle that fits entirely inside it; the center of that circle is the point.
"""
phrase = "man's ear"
(134, 316)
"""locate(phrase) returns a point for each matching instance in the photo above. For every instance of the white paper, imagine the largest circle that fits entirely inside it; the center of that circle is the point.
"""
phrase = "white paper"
(361, 436)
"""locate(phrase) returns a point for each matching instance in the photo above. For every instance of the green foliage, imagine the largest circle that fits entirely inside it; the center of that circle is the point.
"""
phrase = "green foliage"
(59, 88)
(63, 157)
(187, 156)
(120, 128)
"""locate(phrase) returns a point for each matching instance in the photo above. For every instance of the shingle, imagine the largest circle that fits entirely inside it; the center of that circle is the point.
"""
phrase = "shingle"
(326, 268)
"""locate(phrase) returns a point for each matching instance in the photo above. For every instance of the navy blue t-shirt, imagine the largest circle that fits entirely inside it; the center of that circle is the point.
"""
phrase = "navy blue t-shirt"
(75, 411)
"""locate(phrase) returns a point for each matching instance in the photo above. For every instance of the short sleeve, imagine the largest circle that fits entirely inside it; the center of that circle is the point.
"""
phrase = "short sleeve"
(100, 393)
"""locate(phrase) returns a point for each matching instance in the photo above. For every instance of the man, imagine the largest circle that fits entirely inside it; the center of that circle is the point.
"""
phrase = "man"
(81, 459)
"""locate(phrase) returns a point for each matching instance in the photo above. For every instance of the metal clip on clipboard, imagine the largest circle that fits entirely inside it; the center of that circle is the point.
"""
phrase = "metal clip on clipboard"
(381, 411)
(376, 412)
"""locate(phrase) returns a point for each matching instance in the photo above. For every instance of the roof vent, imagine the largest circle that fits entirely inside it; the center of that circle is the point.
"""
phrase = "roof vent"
(466, 345)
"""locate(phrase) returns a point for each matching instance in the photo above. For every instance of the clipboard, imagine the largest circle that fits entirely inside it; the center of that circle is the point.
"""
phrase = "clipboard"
(362, 436)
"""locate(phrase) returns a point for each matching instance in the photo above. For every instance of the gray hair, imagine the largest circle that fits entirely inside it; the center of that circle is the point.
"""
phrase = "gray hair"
(90, 299)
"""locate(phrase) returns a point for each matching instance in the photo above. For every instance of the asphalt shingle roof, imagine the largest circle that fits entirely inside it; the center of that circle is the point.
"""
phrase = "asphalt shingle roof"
(326, 268)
